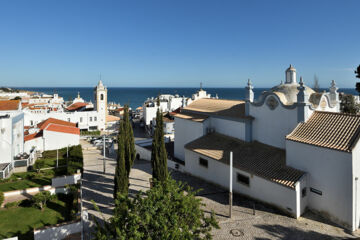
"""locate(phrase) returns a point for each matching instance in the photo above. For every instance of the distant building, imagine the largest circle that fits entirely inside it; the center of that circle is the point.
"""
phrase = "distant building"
(78, 112)
(292, 148)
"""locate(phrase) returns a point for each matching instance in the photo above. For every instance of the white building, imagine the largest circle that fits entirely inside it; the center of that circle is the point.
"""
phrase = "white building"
(100, 93)
(168, 103)
(52, 134)
(78, 112)
(292, 148)
(11, 134)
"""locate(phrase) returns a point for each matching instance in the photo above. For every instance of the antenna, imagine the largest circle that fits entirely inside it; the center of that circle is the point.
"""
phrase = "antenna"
(200, 85)
(100, 76)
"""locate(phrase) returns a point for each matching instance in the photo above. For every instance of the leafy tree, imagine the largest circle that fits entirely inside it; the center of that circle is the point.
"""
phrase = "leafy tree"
(166, 211)
(358, 76)
(348, 104)
(126, 154)
(40, 199)
(158, 152)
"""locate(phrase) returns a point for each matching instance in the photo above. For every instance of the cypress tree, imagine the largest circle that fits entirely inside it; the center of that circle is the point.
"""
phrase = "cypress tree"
(158, 153)
(129, 141)
(125, 156)
(121, 179)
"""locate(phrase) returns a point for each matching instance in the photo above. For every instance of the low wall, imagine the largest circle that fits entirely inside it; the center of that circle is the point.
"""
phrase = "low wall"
(145, 154)
(65, 180)
(59, 231)
(27, 191)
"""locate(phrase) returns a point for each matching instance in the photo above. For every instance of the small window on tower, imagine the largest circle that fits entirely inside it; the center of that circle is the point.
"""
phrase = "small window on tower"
(101, 96)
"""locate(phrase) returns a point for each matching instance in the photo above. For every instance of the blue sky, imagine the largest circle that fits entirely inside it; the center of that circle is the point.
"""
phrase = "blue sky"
(177, 43)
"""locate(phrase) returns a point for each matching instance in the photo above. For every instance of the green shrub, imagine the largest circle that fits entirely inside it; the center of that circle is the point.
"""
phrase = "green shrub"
(90, 133)
(1, 198)
(12, 204)
(40, 199)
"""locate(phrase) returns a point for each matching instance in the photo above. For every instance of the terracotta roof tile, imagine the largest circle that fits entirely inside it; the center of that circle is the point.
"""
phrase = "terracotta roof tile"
(62, 128)
(256, 158)
(191, 116)
(330, 130)
(111, 118)
(219, 107)
(45, 123)
(9, 105)
(32, 136)
(76, 106)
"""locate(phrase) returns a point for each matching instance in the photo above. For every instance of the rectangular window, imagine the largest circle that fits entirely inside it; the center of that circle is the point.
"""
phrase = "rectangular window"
(303, 192)
(90, 119)
(68, 119)
(95, 119)
(203, 162)
(243, 179)
(316, 191)
(81, 119)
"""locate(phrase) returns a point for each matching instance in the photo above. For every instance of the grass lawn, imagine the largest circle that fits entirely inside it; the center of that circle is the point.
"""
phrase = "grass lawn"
(24, 180)
(20, 221)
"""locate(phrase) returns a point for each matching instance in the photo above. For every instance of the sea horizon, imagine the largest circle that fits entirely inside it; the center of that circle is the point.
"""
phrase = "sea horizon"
(135, 96)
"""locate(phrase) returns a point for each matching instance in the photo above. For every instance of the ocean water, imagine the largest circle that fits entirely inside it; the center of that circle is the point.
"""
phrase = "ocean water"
(135, 97)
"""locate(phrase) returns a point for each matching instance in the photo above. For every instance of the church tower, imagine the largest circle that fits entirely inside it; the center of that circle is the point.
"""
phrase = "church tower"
(100, 92)
(290, 75)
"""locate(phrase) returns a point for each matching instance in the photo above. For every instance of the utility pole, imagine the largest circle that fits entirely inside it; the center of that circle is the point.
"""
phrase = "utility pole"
(57, 158)
(230, 187)
(104, 154)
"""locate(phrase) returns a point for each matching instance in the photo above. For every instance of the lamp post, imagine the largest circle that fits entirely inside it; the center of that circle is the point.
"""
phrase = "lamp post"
(230, 185)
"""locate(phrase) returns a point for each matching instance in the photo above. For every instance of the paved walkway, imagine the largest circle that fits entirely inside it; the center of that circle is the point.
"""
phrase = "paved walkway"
(267, 223)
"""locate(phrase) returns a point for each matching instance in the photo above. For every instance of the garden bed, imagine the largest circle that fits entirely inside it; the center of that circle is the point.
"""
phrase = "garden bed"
(20, 218)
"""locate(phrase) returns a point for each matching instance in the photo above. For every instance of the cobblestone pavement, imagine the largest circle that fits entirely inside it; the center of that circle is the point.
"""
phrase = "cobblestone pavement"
(267, 223)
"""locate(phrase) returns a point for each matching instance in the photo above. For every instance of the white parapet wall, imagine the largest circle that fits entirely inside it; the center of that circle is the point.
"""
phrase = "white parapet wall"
(65, 180)
(145, 154)
(59, 231)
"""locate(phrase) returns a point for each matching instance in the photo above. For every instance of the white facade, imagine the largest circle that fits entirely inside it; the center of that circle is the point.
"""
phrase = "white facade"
(87, 120)
(330, 185)
(11, 135)
(101, 104)
(258, 188)
(330, 172)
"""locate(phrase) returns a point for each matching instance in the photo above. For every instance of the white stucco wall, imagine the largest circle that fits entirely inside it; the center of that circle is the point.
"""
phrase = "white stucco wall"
(11, 136)
(230, 128)
(52, 141)
(58, 232)
(271, 126)
(185, 132)
(329, 171)
(81, 118)
(259, 188)
(356, 186)
(36, 142)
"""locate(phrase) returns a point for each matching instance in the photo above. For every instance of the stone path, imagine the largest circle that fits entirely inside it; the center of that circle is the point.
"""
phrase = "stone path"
(267, 223)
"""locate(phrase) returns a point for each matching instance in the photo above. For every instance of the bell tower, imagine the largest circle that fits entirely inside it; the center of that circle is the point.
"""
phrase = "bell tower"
(100, 93)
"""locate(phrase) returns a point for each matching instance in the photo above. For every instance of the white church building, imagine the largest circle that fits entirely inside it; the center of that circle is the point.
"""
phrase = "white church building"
(292, 148)
(85, 115)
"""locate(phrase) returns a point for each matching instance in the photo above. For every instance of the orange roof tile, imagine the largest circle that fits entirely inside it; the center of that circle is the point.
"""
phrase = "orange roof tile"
(76, 106)
(253, 157)
(45, 123)
(191, 116)
(337, 131)
(111, 118)
(62, 128)
(32, 136)
(218, 107)
(9, 105)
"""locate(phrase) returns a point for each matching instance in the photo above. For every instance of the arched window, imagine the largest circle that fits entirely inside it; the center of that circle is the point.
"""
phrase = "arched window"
(101, 96)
